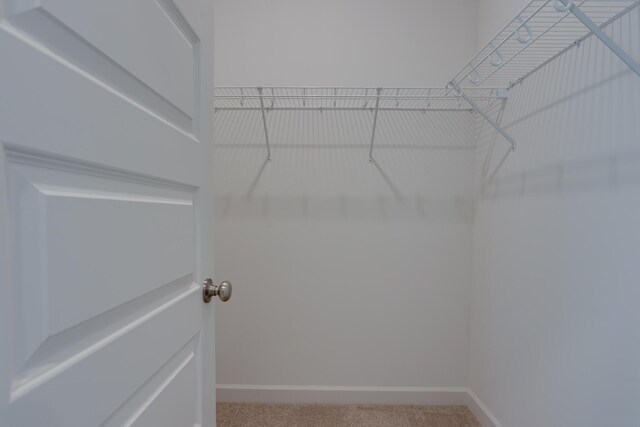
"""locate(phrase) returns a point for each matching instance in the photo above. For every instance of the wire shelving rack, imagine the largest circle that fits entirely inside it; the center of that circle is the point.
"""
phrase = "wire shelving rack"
(543, 30)
(346, 99)
(367, 99)
(539, 33)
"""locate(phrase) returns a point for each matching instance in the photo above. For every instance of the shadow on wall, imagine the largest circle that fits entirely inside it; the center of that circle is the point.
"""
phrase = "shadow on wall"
(555, 260)
(557, 106)
(615, 171)
(305, 208)
(320, 219)
(320, 169)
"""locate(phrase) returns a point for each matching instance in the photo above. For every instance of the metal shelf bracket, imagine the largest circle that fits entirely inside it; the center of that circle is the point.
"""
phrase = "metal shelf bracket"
(595, 29)
(264, 122)
(480, 111)
(375, 121)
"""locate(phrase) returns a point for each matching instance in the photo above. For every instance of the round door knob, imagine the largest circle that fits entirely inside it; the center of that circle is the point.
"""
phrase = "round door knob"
(222, 291)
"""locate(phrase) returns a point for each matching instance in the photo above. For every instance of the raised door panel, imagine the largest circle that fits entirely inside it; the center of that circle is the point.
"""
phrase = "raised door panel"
(145, 39)
(101, 172)
(86, 244)
(170, 405)
(97, 383)
(103, 293)
(86, 105)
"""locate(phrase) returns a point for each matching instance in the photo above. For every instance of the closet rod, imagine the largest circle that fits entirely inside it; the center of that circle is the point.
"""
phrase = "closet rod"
(352, 97)
(267, 109)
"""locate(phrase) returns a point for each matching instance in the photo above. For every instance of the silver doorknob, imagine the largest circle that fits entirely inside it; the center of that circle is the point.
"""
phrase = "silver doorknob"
(222, 291)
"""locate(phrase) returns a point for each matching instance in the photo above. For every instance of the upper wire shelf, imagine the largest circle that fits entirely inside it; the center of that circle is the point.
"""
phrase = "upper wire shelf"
(347, 99)
(541, 31)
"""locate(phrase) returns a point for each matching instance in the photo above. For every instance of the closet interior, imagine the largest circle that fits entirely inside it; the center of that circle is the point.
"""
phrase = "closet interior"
(480, 236)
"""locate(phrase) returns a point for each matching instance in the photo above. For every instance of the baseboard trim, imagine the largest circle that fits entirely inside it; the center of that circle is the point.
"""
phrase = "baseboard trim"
(342, 395)
(358, 395)
(480, 411)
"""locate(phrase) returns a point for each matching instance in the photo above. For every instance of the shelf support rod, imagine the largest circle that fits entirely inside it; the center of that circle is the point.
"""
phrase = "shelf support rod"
(264, 122)
(483, 114)
(375, 121)
(595, 29)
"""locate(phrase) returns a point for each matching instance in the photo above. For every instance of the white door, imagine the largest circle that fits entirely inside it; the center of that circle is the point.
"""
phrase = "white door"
(105, 213)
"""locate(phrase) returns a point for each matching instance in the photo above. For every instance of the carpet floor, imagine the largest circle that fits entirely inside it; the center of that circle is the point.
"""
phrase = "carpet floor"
(281, 415)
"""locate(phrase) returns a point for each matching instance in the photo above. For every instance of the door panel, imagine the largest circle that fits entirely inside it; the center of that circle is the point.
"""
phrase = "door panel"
(164, 389)
(116, 132)
(76, 392)
(168, 406)
(70, 229)
(147, 42)
(105, 144)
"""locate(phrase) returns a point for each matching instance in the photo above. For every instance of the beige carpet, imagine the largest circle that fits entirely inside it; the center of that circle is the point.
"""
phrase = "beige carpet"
(267, 415)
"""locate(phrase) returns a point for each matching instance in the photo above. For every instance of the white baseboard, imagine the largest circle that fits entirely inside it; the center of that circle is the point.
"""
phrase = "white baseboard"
(358, 395)
(480, 411)
(342, 395)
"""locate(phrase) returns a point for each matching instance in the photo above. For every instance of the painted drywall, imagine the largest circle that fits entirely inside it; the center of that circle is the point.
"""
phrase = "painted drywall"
(345, 273)
(493, 15)
(554, 316)
(412, 43)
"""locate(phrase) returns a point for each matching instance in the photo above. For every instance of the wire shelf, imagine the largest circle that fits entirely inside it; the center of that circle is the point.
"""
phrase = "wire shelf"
(347, 98)
(540, 32)
(543, 30)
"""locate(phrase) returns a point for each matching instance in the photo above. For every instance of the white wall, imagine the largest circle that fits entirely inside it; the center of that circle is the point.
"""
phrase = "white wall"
(315, 240)
(554, 325)
(493, 15)
(412, 43)
(346, 273)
